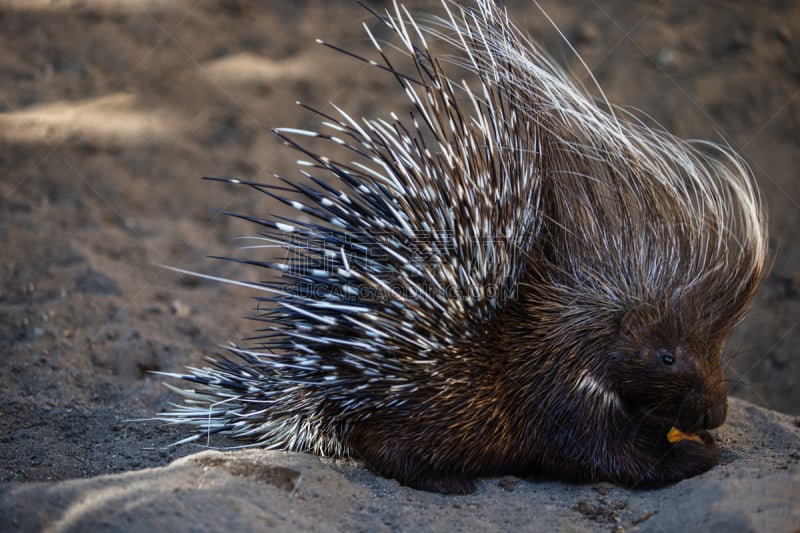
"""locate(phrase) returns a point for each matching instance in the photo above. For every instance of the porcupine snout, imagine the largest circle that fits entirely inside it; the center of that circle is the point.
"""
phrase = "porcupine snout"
(709, 403)
(715, 415)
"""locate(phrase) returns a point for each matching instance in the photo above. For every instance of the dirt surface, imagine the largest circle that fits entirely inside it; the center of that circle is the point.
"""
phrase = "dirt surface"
(111, 111)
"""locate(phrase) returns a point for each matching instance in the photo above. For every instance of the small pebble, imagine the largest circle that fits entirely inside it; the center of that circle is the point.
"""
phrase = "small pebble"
(181, 309)
(509, 483)
(665, 58)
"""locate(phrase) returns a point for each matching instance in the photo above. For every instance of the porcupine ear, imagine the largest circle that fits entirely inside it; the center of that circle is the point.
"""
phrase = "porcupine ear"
(629, 323)
(633, 320)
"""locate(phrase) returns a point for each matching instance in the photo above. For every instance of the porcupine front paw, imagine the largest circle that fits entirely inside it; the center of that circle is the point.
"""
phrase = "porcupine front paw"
(682, 458)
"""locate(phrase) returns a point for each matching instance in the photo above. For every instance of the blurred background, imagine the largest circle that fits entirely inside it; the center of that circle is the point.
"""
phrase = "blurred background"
(112, 110)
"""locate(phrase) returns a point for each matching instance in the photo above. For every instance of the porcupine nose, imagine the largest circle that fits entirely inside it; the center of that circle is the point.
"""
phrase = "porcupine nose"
(714, 415)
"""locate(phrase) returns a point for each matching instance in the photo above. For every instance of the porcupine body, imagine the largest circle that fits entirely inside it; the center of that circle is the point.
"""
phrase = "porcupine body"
(513, 280)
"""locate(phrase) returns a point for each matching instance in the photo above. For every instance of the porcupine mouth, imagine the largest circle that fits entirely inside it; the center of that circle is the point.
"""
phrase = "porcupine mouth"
(673, 429)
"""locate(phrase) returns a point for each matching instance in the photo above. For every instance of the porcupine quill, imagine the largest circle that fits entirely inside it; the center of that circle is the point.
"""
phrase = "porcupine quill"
(512, 280)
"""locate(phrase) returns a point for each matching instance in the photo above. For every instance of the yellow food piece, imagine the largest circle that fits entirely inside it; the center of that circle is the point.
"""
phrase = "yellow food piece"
(676, 434)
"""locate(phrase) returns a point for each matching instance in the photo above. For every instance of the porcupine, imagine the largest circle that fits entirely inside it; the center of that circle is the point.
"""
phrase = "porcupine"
(513, 280)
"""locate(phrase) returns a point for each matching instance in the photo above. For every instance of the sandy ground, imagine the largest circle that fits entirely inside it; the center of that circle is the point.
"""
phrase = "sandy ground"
(111, 111)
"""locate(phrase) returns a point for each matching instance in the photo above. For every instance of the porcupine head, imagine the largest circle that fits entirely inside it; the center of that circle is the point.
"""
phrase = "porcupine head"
(513, 280)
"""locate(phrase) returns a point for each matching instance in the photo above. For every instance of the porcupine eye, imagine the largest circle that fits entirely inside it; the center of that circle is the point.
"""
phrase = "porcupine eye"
(667, 357)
